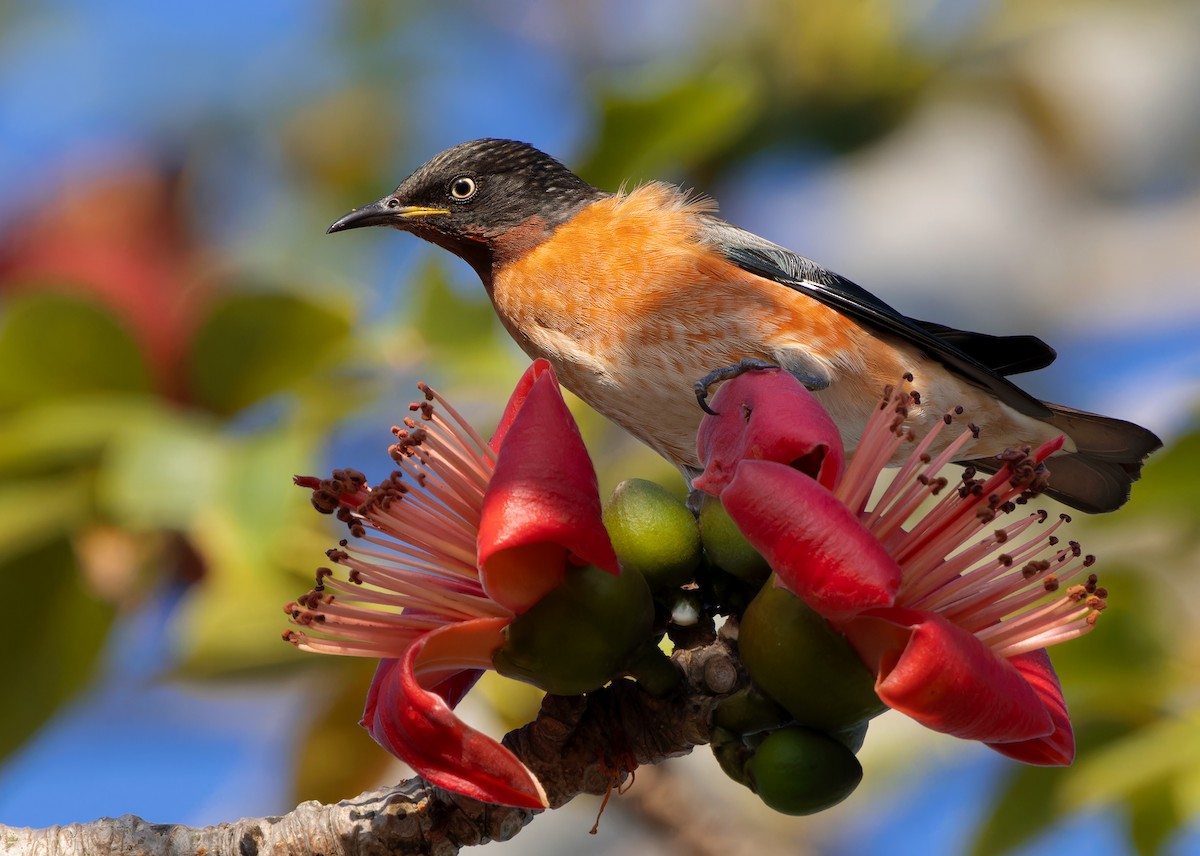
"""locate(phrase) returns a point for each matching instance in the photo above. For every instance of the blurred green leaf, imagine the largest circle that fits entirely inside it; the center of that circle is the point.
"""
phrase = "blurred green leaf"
(53, 638)
(253, 345)
(1023, 810)
(56, 435)
(57, 345)
(1154, 817)
(1169, 487)
(36, 511)
(336, 756)
(653, 133)
(1029, 800)
(163, 472)
(1132, 685)
(1134, 763)
(447, 319)
(258, 539)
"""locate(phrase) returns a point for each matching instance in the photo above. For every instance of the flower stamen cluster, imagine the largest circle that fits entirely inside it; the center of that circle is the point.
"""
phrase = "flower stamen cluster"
(412, 566)
(1014, 588)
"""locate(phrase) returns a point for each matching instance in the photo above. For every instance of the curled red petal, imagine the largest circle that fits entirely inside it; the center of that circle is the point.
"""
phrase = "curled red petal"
(542, 506)
(536, 369)
(767, 415)
(946, 679)
(1056, 749)
(418, 726)
(815, 545)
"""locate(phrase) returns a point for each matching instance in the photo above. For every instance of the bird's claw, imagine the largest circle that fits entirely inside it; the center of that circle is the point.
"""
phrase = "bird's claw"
(747, 364)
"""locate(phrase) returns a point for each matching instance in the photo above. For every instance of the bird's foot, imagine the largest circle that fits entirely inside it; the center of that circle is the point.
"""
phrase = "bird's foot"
(749, 364)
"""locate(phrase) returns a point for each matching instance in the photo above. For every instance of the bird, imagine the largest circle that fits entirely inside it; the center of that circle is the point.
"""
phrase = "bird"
(642, 299)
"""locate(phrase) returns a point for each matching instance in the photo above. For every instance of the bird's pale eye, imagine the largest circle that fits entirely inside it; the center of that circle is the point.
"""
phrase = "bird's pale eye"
(463, 188)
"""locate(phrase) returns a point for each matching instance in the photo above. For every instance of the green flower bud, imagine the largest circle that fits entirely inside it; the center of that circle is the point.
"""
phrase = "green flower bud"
(581, 635)
(727, 547)
(797, 771)
(800, 661)
(653, 533)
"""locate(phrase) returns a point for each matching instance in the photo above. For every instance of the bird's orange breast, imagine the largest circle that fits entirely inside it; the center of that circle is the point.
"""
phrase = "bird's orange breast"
(631, 309)
(630, 270)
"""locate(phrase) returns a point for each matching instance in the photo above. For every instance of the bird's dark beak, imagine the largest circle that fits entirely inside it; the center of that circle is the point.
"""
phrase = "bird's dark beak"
(385, 212)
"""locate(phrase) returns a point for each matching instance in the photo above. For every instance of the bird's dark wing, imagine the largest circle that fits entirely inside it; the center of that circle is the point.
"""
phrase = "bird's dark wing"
(771, 261)
(1006, 355)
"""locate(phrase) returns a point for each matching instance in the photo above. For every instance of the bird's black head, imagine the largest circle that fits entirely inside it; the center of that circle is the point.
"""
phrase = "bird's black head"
(486, 201)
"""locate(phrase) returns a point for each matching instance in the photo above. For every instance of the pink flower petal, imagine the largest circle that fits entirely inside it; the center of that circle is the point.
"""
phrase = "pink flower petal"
(946, 679)
(1056, 749)
(817, 548)
(767, 415)
(542, 506)
(418, 726)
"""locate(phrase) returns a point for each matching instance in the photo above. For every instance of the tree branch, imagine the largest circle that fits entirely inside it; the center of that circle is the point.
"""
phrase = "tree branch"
(577, 744)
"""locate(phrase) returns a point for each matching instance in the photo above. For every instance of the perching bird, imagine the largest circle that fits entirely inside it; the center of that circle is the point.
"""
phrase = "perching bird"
(635, 296)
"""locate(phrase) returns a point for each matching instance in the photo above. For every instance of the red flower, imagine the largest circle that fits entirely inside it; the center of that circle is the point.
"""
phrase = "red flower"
(948, 606)
(463, 538)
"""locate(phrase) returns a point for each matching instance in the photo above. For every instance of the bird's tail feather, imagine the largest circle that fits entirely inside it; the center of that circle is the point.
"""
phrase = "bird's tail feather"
(1107, 460)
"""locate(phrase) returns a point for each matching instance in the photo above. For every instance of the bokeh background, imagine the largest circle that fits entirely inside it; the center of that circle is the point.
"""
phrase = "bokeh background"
(178, 338)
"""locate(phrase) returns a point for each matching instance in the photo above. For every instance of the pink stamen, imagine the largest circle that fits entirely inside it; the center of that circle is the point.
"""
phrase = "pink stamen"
(464, 425)
(446, 567)
(998, 587)
(413, 564)
(946, 586)
(874, 450)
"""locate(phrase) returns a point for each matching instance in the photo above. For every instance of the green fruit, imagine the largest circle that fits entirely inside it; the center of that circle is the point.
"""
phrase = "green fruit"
(797, 771)
(795, 657)
(581, 635)
(653, 533)
(727, 547)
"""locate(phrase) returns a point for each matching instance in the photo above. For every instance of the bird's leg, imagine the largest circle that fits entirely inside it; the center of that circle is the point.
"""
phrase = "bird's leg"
(695, 496)
(748, 364)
